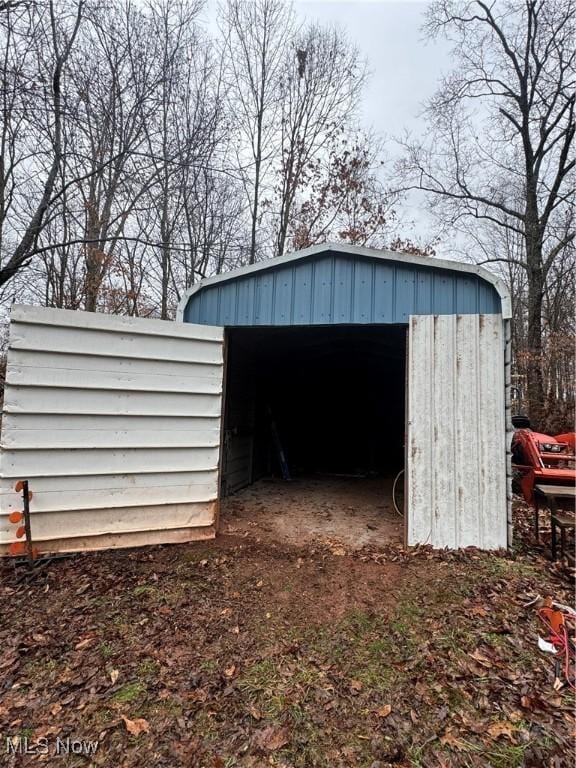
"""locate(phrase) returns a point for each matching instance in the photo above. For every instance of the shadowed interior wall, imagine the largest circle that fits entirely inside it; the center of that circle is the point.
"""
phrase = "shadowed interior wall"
(336, 396)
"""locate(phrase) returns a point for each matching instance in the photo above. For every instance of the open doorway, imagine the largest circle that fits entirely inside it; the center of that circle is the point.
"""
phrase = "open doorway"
(323, 406)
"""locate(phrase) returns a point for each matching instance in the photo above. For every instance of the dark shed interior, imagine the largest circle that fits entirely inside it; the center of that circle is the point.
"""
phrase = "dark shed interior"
(330, 399)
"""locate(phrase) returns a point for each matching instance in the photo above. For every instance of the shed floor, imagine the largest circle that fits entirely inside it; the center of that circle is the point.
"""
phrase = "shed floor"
(355, 512)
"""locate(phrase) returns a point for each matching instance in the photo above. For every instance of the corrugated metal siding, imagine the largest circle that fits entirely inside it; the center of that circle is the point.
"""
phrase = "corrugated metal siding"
(456, 451)
(116, 423)
(338, 289)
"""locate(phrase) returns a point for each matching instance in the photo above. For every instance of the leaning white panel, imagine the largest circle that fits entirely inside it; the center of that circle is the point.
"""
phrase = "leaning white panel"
(116, 423)
(456, 453)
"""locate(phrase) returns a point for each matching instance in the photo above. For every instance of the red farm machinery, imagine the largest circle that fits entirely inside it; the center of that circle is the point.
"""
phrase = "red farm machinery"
(539, 459)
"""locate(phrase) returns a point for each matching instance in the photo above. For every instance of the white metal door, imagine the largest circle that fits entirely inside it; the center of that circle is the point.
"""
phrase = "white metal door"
(456, 441)
(115, 422)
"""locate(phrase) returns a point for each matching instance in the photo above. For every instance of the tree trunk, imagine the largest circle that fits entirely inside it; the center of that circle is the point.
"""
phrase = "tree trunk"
(165, 251)
(535, 379)
(256, 192)
(93, 257)
(286, 205)
(93, 273)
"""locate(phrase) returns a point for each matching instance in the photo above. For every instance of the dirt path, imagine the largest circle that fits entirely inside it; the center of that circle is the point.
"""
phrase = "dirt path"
(245, 653)
(355, 512)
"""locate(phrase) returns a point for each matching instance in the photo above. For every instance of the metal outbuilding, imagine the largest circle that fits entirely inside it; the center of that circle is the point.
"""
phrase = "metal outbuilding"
(129, 430)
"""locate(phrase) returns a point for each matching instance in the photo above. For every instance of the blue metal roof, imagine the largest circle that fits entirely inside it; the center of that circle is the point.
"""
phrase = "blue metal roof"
(336, 285)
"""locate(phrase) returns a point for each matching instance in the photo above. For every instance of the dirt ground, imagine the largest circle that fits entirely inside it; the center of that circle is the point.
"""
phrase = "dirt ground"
(252, 652)
(353, 511)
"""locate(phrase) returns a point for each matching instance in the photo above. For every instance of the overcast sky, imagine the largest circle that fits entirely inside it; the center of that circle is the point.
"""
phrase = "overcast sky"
(404, 72)
(404, 69)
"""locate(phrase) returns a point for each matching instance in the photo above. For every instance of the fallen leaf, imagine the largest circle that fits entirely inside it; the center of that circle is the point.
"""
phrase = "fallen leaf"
(483, 702)
(272, 738)
(255, 712)
(508, 674)
(199, 695)
(84, 643)
(136, 727)
(338, 551)
(384, 711)
(501, 728)
(449, 739)
(481, 658)
(356, 685)
(229, 671)
(421, 688)
(114, 674)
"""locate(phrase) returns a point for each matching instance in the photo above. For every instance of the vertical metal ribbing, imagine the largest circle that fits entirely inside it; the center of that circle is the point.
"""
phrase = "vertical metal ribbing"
(508, 422)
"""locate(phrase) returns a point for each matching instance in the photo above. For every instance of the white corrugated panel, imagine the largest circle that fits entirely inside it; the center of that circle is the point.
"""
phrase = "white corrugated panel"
(115, 422)
(456, 442)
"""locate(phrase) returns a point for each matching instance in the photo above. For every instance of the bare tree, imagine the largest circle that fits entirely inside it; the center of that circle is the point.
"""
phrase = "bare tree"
(344, 197)
(12, 5)
(322, 81)
(256, 35)
(56, 276)
(183, 134)
(214, 216)
(36, 47)
(134, 161)
(500, 145)
(116, 77)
